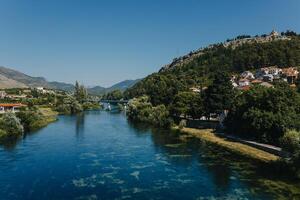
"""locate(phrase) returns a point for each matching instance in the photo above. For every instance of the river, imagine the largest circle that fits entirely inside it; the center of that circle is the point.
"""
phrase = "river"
(100, 155)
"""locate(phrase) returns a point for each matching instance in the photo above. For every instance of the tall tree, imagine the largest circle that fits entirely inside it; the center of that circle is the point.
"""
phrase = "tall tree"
(187, 104)
(80, 92)
(220, 94)
(77, 88)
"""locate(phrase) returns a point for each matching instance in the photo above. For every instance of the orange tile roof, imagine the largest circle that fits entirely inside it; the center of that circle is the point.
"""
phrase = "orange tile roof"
(247, 87)
(256, 81)
(290, 71)
(11, 105)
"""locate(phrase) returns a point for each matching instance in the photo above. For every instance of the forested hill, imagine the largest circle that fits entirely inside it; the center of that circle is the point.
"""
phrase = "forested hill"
(197, 69)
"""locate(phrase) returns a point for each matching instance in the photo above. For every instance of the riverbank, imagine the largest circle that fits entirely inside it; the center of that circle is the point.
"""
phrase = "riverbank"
(48, 116)
(207, 135)
(13, 125)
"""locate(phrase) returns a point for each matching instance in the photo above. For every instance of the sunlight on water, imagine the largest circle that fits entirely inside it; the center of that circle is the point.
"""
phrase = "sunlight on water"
(106, 157)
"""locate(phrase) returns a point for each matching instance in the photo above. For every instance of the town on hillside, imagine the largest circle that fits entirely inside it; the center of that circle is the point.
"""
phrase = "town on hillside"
(265, 77)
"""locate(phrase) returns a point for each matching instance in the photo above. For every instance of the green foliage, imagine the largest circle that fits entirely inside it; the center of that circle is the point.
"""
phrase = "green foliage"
(290, 141)
(91, 106)
(3, 135)
(182, 124)
(10, 126)
(163, 86)
(220, 94)
(159, 87)
(187, 104)
(69, 106)
(114, 95)
(30, 119)
(80, 93)
(141, 110)
(264, 113)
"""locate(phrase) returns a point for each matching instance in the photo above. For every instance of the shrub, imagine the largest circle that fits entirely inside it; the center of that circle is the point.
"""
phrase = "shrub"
(11, 125)
(91, 106)
(141, 110)
(291, 141)
(265, 114)
(182, 124)
(69, 105)
(31, 119)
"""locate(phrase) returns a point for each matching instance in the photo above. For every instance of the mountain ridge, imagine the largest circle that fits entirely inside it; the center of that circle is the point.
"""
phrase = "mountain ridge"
(10, 78)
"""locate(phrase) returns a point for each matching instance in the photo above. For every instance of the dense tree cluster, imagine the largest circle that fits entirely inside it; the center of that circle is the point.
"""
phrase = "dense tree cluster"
(220, 94)
(141, 110)
(160, 88)
(187, 104)
(265, 114)
(113, 95)
(80, 93)
(69, 105)
(73, 104)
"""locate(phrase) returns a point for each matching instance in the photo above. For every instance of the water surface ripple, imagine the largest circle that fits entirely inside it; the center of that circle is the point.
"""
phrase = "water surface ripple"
(100, 155)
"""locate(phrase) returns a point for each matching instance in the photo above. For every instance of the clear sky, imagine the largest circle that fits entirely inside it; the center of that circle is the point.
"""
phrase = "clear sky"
(104, 42)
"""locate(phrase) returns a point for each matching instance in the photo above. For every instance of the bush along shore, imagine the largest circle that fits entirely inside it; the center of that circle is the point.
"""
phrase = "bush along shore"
(13, 125)
(43, 108)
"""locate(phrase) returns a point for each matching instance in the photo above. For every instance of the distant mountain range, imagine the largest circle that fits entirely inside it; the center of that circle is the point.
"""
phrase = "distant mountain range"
(10, 78)
(123, 85)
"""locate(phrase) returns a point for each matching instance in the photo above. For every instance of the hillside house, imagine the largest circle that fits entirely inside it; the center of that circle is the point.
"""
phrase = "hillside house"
(256, 81)
(196, 90)
(291, 74)
(2, 94)
(247, 75)
(268, 78)
(273, 70)
(244, 82)
(16, 96)
(10, 107)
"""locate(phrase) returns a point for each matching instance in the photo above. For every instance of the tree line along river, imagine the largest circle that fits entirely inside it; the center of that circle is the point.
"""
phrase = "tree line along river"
(101, 155)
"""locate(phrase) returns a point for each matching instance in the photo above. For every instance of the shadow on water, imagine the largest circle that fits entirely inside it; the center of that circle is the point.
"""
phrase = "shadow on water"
(271, 179)
(10, 145)
(80, 125)
(206, 165)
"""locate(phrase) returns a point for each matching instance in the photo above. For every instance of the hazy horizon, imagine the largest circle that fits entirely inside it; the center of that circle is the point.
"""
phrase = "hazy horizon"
(103, 43)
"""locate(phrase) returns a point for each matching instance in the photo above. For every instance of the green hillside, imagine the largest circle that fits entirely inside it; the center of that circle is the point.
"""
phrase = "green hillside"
(198, 68)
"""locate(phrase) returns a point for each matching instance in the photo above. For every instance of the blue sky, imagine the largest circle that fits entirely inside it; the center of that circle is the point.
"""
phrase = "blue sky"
(104, 42)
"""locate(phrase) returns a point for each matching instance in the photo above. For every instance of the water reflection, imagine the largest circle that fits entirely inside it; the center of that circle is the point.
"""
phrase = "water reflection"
(9, 145)
(119, 159)
(80, 125)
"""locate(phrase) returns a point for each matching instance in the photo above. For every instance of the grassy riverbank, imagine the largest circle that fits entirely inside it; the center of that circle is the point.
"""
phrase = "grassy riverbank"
(12, 126)
(207, 135)
(48, 116)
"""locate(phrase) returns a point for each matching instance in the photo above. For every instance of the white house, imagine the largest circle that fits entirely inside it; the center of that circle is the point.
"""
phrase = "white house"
(244, 82)
(247, 75)
(2, 94)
